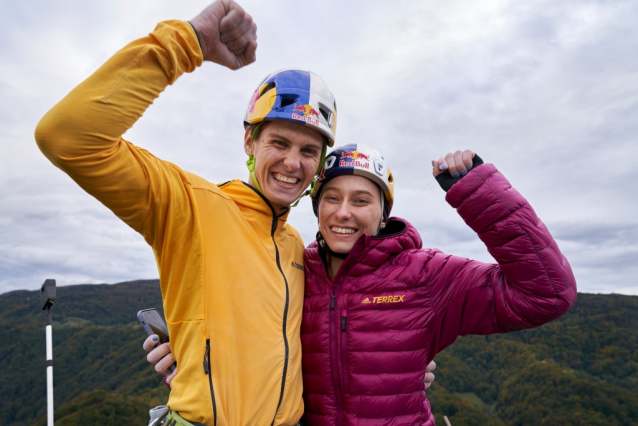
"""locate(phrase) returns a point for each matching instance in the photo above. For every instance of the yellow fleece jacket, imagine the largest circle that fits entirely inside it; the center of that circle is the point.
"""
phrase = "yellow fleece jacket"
(230, 270)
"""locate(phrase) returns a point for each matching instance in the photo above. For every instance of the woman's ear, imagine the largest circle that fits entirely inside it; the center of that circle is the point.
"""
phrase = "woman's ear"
(382, 225)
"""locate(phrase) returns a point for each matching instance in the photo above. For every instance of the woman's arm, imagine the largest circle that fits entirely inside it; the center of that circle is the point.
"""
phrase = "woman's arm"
(532, 282)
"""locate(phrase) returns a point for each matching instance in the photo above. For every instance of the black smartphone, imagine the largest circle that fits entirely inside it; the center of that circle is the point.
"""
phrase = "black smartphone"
(153, 323)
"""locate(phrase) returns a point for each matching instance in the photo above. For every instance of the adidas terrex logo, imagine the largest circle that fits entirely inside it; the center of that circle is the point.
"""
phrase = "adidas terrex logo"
(384, 299)
(296, 265)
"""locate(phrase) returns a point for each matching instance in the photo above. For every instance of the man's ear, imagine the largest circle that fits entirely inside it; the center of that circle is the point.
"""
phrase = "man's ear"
(248, 139)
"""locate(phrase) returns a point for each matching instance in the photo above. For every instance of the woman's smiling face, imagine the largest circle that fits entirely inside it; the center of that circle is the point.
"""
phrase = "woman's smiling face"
(350, 206)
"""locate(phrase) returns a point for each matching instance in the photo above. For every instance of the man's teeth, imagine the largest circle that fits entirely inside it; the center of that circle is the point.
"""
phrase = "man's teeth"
(285, 179)
(342, 230)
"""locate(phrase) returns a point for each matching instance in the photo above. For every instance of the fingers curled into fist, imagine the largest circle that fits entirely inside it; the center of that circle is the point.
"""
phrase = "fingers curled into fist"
(237, 30)
(457, 163)
(451, 167)
(228, 34)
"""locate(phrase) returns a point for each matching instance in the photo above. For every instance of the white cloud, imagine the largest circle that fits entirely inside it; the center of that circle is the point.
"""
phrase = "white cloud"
(547, 91)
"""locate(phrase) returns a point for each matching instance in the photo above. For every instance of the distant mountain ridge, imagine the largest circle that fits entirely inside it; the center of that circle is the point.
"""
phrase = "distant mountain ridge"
(579, 370)
(101, 304)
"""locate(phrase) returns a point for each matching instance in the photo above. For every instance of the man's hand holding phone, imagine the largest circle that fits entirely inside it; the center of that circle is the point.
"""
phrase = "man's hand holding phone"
(161, 356)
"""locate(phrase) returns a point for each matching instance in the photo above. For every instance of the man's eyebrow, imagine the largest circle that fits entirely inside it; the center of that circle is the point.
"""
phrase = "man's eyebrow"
(285, 139)
(315, 145)
(278, 136)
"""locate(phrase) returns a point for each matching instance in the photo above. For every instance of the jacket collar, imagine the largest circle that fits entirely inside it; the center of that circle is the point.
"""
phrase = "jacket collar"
(369, 252)
(247, 196)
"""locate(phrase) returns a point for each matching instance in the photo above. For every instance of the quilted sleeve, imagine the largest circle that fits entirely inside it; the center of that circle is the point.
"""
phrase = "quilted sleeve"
(532, 283)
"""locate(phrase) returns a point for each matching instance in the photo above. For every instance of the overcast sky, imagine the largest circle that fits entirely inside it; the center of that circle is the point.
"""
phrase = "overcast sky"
(545, 90)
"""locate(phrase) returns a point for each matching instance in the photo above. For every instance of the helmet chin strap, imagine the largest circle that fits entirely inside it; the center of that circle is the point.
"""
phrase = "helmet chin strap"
(381, 222)
(326, 248)
(250, 163)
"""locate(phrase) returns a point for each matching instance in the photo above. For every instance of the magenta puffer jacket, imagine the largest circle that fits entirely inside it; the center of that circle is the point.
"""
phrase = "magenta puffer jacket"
(368, 335)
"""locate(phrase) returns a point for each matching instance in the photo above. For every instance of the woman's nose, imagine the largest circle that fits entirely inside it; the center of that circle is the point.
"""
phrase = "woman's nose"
(344, 211)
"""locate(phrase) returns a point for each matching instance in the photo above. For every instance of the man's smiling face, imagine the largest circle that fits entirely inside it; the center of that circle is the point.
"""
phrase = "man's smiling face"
(287, 156)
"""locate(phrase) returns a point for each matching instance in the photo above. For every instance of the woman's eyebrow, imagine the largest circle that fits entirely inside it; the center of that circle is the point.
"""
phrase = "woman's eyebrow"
(363, 191)
(357, 192)
(331, 188)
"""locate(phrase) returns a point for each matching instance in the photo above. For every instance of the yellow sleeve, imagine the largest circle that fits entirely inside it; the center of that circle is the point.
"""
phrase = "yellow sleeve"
(82, 134)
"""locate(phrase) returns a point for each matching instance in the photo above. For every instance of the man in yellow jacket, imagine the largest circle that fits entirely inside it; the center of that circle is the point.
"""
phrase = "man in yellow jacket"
(230, 267)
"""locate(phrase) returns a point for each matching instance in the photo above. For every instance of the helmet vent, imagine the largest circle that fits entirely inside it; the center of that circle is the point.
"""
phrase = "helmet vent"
(327, 115)
(270, 86)
(287, 100)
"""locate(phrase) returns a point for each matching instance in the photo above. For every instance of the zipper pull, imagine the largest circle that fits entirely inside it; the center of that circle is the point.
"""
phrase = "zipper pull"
(343, 323)
(207, 357)
(332, 304)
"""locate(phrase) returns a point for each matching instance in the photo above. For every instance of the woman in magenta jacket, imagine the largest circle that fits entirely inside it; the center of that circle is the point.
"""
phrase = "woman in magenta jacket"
(378, 306)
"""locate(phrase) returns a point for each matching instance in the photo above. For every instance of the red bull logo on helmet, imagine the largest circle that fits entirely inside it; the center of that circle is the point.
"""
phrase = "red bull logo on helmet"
(306, 110)
(355, 159)
(308, 113)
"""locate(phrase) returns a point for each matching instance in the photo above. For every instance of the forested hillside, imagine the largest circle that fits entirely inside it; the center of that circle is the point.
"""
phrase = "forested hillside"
(579, 370)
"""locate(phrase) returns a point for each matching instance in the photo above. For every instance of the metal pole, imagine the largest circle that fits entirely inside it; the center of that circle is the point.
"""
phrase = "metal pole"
(49, 369)
(47, 299)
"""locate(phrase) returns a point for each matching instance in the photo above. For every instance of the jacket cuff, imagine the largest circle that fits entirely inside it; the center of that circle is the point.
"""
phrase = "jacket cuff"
(199, 40)
(469, 184)
(180, 42)
(484, 197)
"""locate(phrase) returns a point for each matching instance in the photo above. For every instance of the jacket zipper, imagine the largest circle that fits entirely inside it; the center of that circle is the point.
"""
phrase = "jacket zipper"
(285, 316)
(344, 350)
(210, 379)
(273, 228)
(285, 320)
(334, 357)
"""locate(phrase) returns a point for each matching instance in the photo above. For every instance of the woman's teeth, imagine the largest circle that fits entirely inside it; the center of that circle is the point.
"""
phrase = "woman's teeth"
(284, 179)
(342, 230)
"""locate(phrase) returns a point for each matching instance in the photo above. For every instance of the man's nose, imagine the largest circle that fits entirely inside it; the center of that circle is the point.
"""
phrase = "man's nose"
(292, 161)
